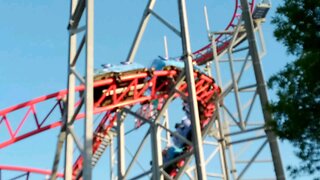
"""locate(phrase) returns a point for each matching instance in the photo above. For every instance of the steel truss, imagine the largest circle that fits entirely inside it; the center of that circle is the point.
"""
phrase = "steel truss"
(228, 147)
(68, 135)
(240, 130)
(157, 171)
(241, 32)
(234, 126)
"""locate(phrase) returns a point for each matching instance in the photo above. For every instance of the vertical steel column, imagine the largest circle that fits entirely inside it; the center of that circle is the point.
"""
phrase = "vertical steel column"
(262, 42)
(222, 142)
(121, 145)
(111, 160)
(166, 114)
(166, 119)
(195, 121)
(233, 169)
(261, 88)
(156, 151)
(70, 98)
(235, 85)
(87, 155)
(166, 52)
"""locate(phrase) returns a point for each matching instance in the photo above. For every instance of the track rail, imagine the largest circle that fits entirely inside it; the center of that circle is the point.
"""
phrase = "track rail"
(132, 88)
(28, 170)
(110, 94)
(205, 54)
(16, 133)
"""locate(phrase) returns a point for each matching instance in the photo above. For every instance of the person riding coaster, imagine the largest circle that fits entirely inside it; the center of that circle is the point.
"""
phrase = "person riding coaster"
(149, 110)
(184, 129)
(169, 154)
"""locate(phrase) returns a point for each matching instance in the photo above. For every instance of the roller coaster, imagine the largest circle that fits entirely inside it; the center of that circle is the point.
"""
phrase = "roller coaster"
(119, 89)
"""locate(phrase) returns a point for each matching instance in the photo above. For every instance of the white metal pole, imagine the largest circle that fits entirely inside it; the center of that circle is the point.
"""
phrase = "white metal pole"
(87, 167)
(156, 151)
(261, 88)
(121, 145)
(195, 121)
(235, 86)
(70, 99)
(167, 123)
(139, 34)
(207, 20)
(222, 144)
(166, 53)
(166, 114)
(111, 160)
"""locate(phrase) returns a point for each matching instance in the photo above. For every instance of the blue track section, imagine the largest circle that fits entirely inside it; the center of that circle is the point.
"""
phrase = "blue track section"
(119, 68)
(157, 64)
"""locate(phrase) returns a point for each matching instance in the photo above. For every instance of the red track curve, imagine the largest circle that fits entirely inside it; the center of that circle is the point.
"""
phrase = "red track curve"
(28, 170)
(205, 54)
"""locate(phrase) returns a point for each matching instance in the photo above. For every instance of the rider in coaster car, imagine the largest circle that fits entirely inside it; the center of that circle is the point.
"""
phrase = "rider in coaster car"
(186, 109)
(170, 153)
(184, 129)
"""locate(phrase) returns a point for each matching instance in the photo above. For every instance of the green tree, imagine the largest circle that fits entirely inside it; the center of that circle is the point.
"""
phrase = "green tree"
(297, 110)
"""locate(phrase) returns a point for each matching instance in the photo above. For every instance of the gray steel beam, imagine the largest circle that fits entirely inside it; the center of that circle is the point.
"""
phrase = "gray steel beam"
(156, 151)
(121, 144)
(88, 128)
(261, 88)
(166, 120)
(141, 29)
(70, 99)
(168, 25)
(195, 121)
(61, 139)
(77, 14)
(222, 145)
(112, 161)
(233, 76)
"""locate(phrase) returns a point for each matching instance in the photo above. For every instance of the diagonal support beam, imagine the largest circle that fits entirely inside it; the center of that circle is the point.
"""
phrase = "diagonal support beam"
(261, 89)
(195, 121)
(141, 29)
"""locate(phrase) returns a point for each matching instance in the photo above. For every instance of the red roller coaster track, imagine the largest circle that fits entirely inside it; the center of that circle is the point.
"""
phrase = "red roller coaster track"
(28, 170)
(115, 95)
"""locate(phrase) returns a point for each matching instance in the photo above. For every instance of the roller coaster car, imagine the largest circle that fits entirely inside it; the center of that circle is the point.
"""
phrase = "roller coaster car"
(170, 153)
(261, 10)
(116, 72)
(163, 64)
(170, 64)
(173, 170)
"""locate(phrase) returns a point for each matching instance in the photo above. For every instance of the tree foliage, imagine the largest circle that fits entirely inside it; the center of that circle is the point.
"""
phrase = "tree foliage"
(298, 24)
(297, 110)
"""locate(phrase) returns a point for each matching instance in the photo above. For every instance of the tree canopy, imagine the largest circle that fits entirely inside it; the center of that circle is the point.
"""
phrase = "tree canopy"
(297, 110)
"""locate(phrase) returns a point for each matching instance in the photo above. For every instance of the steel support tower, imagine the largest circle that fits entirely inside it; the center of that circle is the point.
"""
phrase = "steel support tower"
(235, 144)
(83, 30)
(231, 126)
(241, 118)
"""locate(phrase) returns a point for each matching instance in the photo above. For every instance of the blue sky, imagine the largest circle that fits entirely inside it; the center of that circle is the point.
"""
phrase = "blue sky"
(34, 48)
